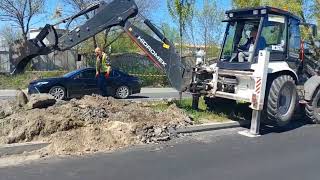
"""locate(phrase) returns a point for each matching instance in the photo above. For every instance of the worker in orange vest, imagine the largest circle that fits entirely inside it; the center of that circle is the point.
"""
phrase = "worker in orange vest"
(103, 70)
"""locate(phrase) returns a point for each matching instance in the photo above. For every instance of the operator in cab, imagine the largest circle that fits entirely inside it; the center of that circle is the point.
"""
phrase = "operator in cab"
(103, 70)
(248, 47)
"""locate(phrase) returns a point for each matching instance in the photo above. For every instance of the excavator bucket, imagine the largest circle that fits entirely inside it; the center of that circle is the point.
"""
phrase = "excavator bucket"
(23, 51)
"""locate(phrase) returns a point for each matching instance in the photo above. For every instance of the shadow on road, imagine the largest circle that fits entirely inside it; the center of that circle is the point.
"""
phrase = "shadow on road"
(138, 97)
(242, 113)
(270, 129)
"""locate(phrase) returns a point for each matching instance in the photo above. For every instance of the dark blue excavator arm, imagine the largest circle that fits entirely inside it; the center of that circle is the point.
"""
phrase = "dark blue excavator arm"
(107, 15)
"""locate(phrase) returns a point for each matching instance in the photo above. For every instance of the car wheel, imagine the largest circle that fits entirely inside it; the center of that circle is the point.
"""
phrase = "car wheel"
(123, 92)
(58, 92)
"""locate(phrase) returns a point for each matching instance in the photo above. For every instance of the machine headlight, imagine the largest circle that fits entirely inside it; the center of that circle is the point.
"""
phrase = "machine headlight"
(41, 83)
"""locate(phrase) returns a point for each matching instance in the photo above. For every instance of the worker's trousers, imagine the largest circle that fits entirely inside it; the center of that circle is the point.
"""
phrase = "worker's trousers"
(243, 56)
(102, 84)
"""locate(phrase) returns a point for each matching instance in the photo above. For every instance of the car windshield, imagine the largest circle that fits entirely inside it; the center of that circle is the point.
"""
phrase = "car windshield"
(70, 74)
(240, 35)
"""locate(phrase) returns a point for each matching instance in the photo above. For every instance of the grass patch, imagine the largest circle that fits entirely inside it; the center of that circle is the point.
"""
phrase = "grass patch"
(198, 116)
(22, 80)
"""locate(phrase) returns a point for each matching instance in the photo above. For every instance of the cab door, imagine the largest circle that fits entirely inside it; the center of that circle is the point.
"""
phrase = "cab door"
(294, 44)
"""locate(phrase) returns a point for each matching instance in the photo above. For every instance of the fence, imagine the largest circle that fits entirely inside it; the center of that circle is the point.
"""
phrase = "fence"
(65, 61)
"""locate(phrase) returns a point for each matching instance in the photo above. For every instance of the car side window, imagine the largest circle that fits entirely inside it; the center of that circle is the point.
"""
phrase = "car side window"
(115, 74)
(87, 75)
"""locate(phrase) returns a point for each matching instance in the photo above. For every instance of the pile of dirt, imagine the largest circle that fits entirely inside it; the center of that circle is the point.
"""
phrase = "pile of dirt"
(91, 124)
(5, 109)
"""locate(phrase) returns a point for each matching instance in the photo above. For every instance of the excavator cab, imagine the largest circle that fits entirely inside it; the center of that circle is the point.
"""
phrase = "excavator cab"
(251, 30)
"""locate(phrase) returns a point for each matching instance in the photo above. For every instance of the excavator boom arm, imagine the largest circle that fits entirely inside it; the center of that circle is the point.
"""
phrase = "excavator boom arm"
(117, 13)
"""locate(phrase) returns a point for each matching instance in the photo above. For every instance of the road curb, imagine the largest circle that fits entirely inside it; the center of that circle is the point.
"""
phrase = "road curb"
(211, 127)
(19, 148)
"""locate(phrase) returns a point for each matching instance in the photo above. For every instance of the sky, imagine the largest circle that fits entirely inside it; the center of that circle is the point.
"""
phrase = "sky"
(160, 15)
(162, 11)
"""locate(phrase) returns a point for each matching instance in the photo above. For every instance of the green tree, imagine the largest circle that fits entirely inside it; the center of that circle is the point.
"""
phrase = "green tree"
(210, 18)
(181, 11)
(170, 32)
(245, 3)
(295, 6)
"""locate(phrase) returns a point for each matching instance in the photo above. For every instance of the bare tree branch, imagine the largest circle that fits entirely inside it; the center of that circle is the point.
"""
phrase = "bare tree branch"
(20, 13)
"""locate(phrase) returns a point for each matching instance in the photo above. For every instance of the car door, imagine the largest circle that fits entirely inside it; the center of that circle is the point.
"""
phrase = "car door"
(76, 86)
(113, 82)
(87, 77)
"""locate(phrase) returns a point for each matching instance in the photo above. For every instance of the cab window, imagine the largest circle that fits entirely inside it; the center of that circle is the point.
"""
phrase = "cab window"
(294, 38)
(274, 32)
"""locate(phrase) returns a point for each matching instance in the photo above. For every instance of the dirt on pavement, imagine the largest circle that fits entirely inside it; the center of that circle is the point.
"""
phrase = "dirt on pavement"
(91, 124)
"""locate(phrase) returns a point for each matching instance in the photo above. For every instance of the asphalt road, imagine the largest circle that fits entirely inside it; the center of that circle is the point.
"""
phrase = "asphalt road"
(221, 155)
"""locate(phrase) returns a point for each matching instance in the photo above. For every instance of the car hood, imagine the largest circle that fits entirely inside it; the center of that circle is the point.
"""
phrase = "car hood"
(47, 80)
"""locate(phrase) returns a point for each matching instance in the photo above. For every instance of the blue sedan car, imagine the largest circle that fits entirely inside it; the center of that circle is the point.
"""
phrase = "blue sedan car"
(83, 82)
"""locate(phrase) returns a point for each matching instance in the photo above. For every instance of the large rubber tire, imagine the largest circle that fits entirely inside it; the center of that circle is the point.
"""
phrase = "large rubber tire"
(313, 108)
(281, 100)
